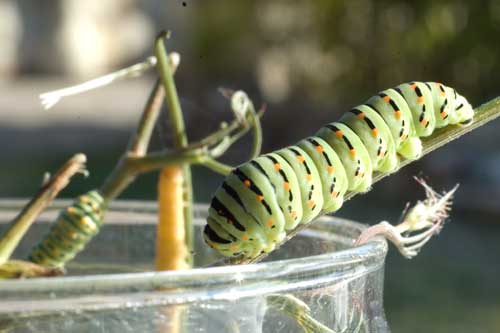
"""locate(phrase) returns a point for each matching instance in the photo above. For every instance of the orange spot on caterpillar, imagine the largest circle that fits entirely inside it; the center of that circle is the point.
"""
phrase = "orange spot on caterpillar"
(424, 122)
(374, 132)
(277, 166)
(245, 237)
(420, 100)
(319, 149)
(382, 152)
(300, 158)
(260, 198)
(339, 134)
(247, 182)
(387, 99)
(413, 86)
(335, 194)
(286, 185)
(311, 203)
(330, 169)
(403, 137)
(443, 114)
(442, 93)
(270, 223)
(352, 152)
(361, 116)
(309, 177)
(397, 114)
(234, 248)
(293, 214)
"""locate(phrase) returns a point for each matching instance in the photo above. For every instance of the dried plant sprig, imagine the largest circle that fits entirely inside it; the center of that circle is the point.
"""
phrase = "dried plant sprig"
(422, 221)
(49, 99)
(49, 190)
(20, 269)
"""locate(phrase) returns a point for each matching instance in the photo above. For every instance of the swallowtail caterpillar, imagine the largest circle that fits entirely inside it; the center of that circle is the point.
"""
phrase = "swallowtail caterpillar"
(263, 199)
(73, 229)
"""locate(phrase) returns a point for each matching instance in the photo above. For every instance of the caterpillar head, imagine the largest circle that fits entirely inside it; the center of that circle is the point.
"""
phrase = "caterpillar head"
(464, 110)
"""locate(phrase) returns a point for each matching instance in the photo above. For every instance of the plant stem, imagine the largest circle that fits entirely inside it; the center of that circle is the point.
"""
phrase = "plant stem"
(217, 166)
(257, 133)
(180, 137)
(140, 141)
(20, 225)
(171, 250)
(124, 173)
(298, 311)
(482, 115)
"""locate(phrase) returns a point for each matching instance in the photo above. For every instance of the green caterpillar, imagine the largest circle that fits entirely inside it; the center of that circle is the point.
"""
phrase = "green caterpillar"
(72, 230)
(263, 199)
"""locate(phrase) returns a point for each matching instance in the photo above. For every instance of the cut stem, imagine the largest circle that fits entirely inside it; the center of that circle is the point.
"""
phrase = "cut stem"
(20, 225)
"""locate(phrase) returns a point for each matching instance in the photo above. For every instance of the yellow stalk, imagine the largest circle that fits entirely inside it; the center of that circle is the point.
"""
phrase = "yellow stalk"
(171, 250)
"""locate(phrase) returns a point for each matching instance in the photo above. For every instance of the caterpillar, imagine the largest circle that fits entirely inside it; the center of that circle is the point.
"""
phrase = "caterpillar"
(263, 199)
(73, 228)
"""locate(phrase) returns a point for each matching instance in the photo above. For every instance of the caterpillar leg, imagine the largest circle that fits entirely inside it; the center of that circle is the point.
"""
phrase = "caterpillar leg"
(426, 218)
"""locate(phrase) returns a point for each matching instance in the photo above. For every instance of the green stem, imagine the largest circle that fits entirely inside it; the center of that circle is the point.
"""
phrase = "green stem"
(217, 166)
(298, 311)
(124, 173)
(140, 141)
(20, 225)
(180, 137)
(130, 167)
(257, 133)
(483, 114)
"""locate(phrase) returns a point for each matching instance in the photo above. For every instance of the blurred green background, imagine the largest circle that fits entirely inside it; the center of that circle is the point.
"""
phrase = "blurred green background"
(310, 62)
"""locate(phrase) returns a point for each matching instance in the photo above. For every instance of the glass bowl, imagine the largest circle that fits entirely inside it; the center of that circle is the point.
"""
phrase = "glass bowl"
(315, 283)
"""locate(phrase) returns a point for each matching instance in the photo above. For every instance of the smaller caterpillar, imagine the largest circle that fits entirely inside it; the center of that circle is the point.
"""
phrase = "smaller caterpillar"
(74, 227)
(263, 199)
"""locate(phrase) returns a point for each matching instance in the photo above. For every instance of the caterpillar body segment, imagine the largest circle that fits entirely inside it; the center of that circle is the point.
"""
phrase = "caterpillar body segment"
(308, 181)
(71, 231)
(375, 135)
(332, 176)
(263, 199)
(352, 153)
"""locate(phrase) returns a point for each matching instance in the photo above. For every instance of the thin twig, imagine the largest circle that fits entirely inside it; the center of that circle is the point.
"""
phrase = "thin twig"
(482, 115)
(20, 225)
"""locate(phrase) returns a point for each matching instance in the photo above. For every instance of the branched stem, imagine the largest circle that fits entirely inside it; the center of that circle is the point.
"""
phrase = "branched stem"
(482, 115)
(179, 130)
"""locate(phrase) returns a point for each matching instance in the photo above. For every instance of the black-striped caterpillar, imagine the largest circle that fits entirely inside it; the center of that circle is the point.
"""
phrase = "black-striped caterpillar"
(72, 230)
(263, 199)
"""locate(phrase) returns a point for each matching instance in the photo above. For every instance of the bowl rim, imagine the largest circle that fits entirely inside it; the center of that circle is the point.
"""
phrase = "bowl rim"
(110, 291)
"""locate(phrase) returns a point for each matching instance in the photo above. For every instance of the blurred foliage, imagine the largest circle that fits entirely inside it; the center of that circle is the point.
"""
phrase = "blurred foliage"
(342, 51)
